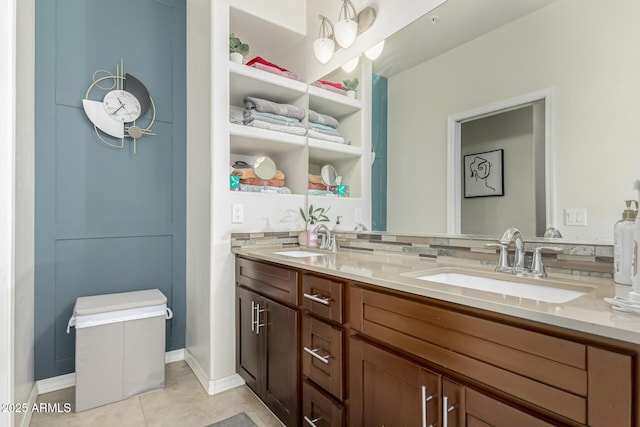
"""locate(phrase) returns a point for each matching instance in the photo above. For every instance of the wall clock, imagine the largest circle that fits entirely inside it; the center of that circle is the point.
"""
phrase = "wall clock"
(115, 116)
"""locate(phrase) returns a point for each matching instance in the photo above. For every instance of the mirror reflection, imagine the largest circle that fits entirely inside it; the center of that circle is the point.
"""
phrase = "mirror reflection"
(579, 52)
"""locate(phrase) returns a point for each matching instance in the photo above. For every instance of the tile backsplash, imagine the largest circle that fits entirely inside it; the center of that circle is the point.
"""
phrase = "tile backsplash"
(575, 259)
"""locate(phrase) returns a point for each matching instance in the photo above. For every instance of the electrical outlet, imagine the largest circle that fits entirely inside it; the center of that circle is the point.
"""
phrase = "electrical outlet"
(237, 214)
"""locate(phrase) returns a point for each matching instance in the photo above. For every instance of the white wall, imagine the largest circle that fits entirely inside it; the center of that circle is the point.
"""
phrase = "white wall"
(23, 363)
(597, 141)
(7, 204)
(290, 14)
(198, 328)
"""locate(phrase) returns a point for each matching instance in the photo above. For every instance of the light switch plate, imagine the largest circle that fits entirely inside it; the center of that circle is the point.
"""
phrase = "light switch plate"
(575, 217)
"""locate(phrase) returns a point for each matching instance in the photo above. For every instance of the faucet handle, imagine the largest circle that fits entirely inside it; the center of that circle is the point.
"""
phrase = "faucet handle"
(537, 267)
(503, 260)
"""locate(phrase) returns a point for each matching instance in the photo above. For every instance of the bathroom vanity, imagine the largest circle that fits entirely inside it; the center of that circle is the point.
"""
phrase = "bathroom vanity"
(361, 338)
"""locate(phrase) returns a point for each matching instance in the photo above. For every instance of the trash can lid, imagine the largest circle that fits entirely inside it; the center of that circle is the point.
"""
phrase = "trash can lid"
(120, 301)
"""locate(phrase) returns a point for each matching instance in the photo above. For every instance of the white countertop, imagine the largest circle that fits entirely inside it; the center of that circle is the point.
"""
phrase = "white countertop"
(587, 313)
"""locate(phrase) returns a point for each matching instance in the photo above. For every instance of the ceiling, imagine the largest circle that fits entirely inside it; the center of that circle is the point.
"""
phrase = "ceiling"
(458, 21)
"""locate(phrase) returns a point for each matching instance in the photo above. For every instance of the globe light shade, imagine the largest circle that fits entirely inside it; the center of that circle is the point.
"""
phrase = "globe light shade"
(345, 32)
(350, 65)
(375, 51)
(323, 49)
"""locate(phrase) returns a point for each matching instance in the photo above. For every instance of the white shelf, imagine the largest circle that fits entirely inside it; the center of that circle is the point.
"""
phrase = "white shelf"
(250, 81)
(327, 151)
(326, 102)
(249, 140)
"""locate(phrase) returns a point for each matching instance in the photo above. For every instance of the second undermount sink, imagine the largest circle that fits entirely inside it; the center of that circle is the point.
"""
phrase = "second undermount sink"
(299, 254)
(537, 292)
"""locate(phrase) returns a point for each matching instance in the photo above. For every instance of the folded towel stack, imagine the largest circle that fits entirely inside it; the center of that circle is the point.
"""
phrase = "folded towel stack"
(264, 65)
(248, 177)
(315, 183)
(265, 114)
(332, 86)
(322, 126)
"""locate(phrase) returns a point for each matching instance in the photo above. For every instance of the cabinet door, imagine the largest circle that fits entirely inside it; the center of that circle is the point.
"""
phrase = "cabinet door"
(247, 341)
(388, 390)
(280, 332)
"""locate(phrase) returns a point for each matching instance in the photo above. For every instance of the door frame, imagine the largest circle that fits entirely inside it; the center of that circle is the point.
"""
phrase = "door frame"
(454, 138)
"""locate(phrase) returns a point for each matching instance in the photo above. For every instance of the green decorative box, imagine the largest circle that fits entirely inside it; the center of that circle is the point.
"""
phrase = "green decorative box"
(340, 190)
(234, 183)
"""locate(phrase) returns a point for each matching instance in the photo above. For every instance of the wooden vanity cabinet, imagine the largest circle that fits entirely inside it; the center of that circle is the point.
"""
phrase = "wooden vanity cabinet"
(267, 334)
(568, 381)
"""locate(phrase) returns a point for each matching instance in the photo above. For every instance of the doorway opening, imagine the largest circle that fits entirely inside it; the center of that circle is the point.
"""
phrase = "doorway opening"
(523, 128)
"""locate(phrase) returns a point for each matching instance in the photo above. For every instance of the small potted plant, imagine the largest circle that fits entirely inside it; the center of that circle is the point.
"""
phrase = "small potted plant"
(314, 216)
(237, 49)
(350, 86)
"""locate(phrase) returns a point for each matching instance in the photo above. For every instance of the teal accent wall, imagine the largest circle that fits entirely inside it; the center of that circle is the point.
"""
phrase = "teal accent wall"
(107, 220)
(379, 141)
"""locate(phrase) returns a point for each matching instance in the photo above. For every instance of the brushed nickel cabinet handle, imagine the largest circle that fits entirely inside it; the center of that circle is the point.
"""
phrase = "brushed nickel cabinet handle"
(445, 411)
(312, 422)
(314, 353)
(258, 324)
(318, 298)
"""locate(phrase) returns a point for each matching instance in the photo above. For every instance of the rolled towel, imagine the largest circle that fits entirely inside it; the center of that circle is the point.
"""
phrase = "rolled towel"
(266, 106)
(322, 119)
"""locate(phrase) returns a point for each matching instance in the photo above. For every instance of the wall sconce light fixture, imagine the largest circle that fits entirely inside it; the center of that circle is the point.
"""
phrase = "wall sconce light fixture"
(350, 24)
(324, 45)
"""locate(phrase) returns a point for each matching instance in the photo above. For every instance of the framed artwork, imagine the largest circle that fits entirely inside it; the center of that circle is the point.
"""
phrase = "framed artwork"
(483, 174)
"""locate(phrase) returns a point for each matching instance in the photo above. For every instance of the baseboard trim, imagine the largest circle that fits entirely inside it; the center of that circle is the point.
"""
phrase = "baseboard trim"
(33, 397)
(212, 386)
(174, 356)
(69, 380)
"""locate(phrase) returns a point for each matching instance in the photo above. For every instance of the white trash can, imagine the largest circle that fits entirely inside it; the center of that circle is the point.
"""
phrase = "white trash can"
(120, 346)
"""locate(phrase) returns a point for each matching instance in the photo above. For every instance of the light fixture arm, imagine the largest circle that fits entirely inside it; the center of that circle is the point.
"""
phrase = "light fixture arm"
(326, 28)
(344, 11)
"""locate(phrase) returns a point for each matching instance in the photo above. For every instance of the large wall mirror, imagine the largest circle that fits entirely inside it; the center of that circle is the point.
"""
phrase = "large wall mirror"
(467, 54)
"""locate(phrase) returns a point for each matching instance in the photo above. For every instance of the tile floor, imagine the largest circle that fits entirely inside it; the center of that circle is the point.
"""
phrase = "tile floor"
(182, 402)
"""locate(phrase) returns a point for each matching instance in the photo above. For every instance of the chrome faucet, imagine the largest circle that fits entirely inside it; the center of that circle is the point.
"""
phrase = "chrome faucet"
(360, 227)
(514, 235)
(326, 236)
(518, 268)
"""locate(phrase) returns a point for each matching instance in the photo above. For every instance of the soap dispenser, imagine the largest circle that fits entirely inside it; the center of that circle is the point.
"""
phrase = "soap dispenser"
(623, 244)
(337, 227)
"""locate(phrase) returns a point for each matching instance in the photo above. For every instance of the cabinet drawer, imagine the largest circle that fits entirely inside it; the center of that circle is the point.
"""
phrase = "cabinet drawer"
(483, 410)
(319, 410)
(322, 355)
(323, 297)
(279, 283)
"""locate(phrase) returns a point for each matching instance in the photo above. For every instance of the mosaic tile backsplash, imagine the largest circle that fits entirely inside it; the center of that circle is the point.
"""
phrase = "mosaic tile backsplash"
(575, 259)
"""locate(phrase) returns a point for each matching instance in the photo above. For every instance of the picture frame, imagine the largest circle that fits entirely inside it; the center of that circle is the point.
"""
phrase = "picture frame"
(484, 174)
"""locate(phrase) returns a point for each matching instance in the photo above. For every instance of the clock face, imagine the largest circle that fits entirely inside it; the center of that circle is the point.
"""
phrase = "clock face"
(121, 106)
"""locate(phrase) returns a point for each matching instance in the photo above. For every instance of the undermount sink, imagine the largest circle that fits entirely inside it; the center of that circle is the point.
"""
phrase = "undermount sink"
(299, 254)
(505, 287)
